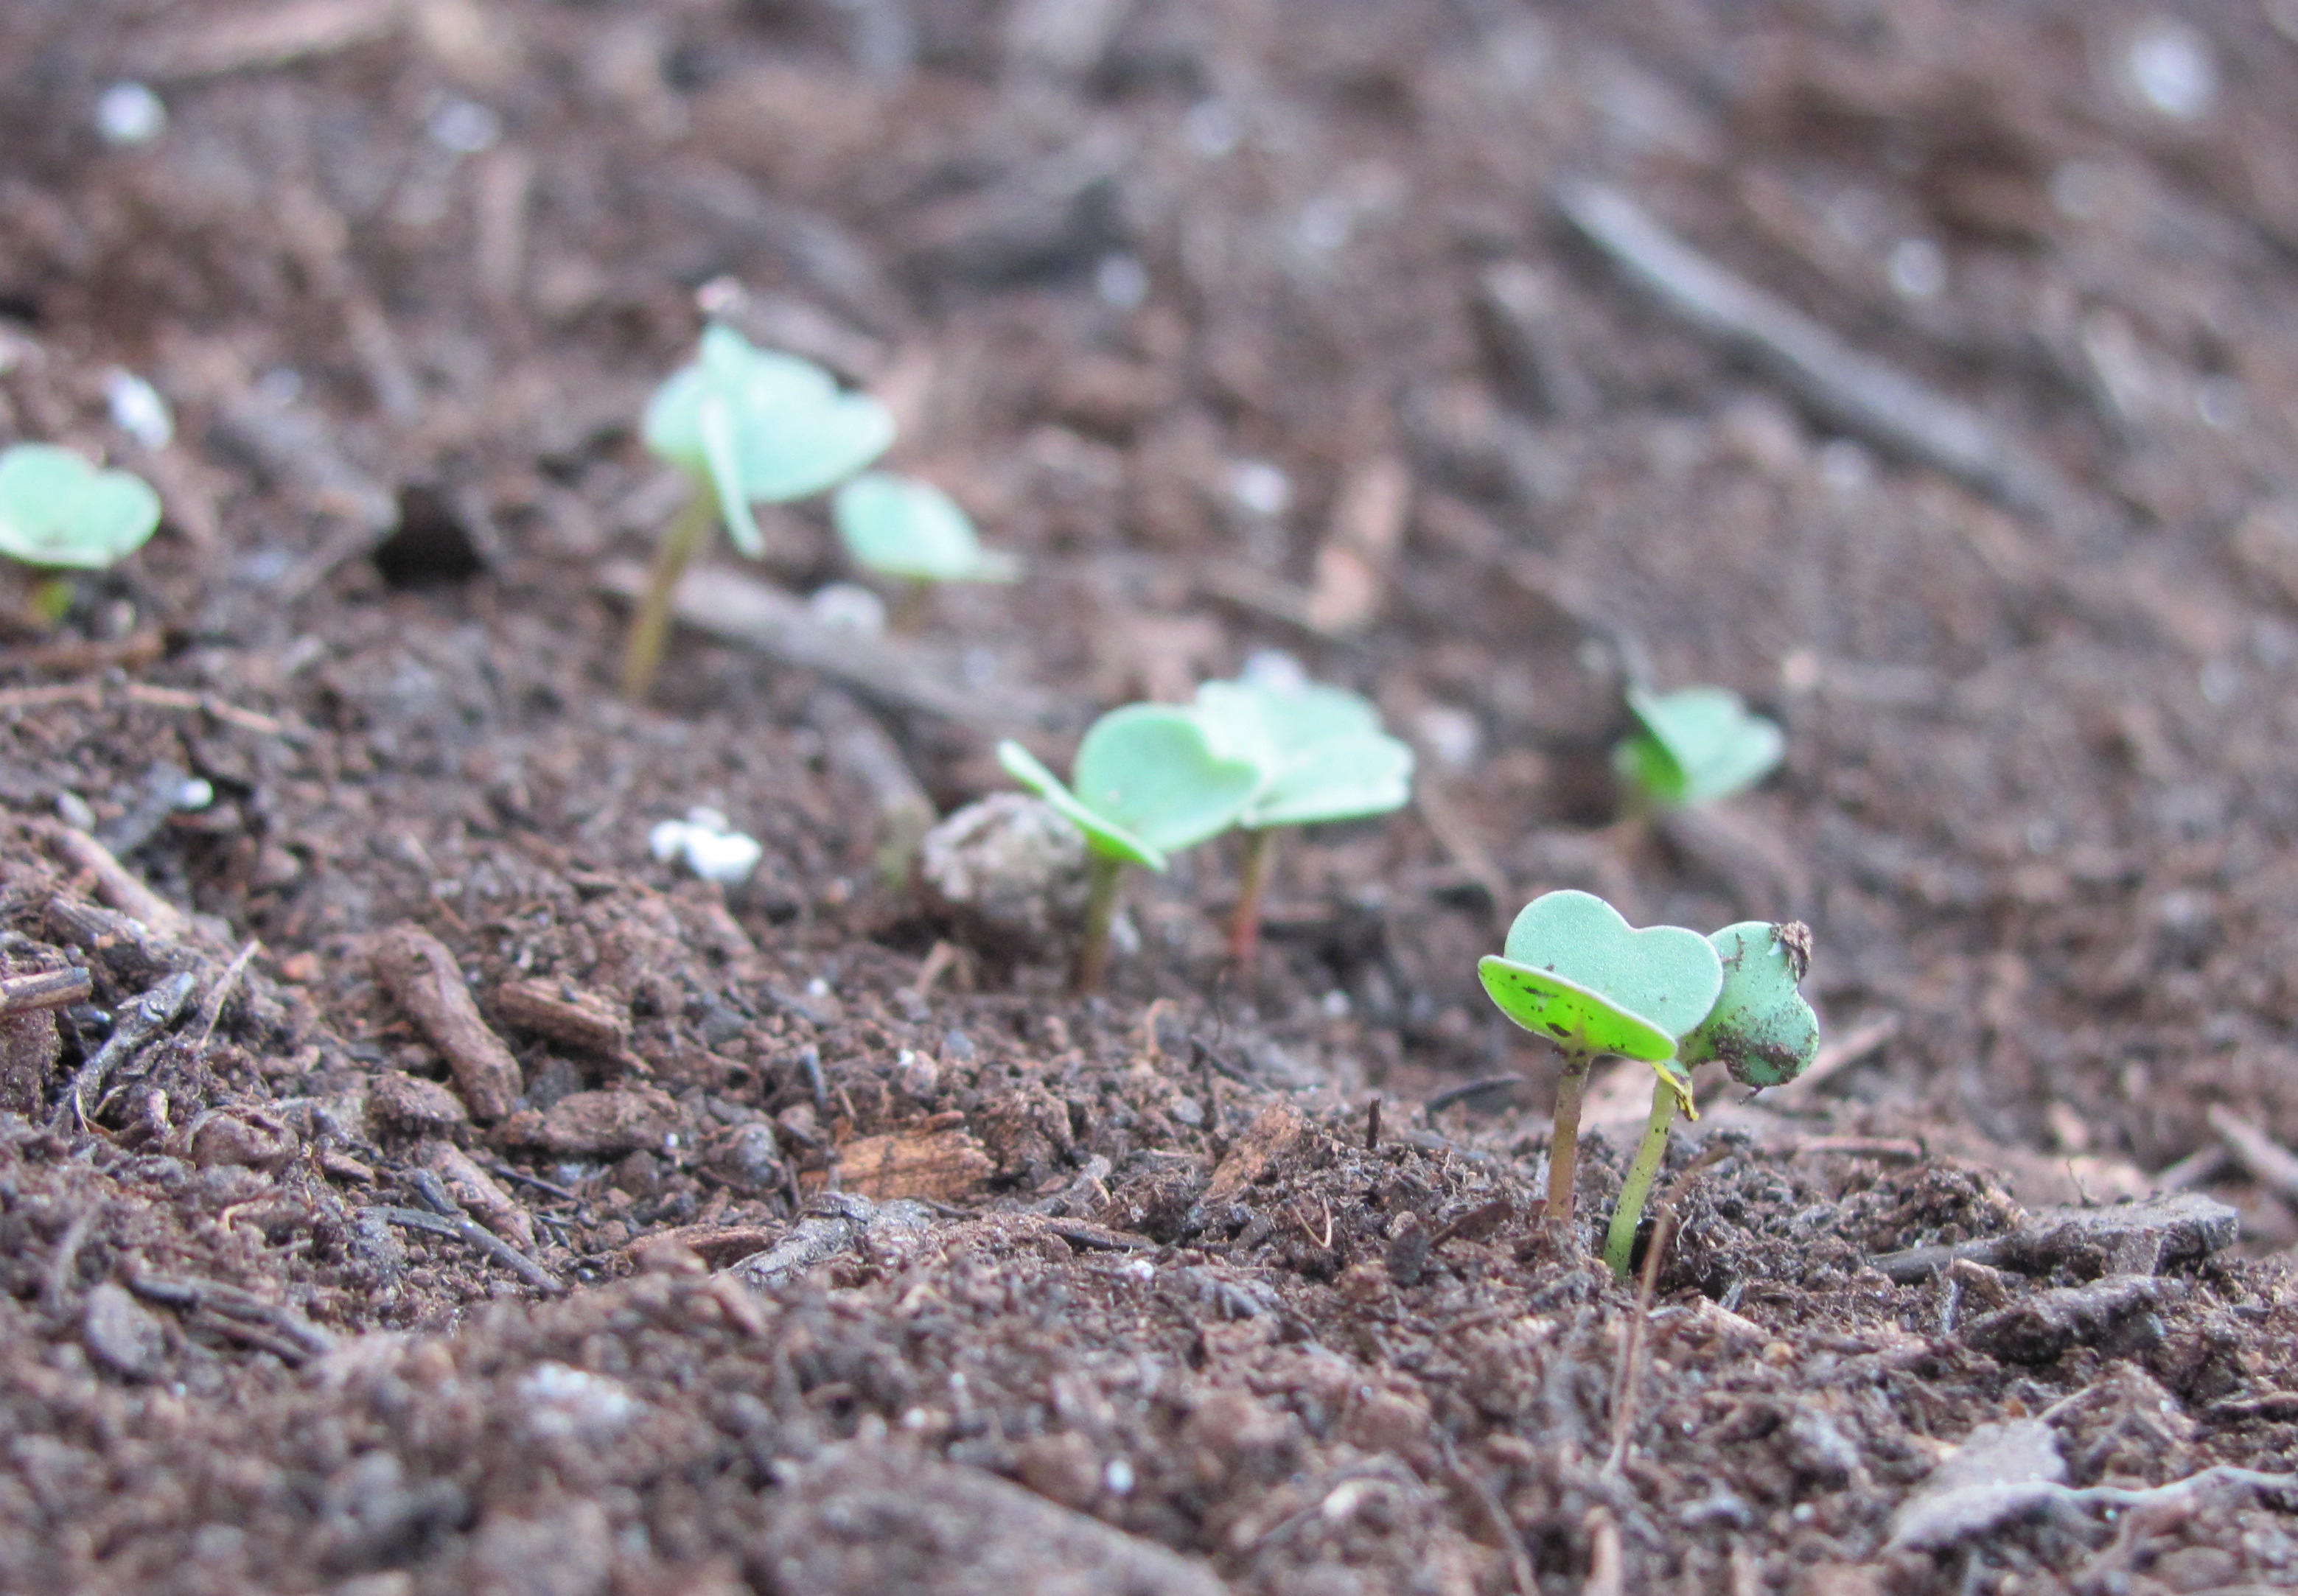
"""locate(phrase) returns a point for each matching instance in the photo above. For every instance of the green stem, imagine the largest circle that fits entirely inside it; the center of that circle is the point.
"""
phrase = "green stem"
(1105, 871)
(686, 538)
(1620, 1241)
(1245, 925)
(1564, 1144)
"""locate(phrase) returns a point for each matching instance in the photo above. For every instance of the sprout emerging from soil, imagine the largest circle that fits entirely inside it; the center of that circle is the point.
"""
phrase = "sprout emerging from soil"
(1696, 746)
(1148, 781)
(1324, 758)
(749, 426)
(1575, 972)
(1761, 1029)
(60, 513)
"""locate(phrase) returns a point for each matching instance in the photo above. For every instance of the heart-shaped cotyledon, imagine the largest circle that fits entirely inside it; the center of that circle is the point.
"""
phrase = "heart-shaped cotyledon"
(59, 511)
(1760, 1027)
(1575, 971)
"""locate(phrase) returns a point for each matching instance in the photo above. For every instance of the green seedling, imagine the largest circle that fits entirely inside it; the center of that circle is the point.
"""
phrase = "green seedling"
(1575, 972)
(1324, 758)
(1760, 1028)
(60, 513)
(1695, 746)
(1148, 781)
(750, 426)
(900, 528)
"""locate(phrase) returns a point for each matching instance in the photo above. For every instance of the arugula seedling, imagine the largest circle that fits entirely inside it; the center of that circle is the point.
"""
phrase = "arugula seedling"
(1575, 972)
(912, 530)
(60, 513)
(1694, 745)
(749, 426)
(1323, 758)
(1148, 781)
(1761, 1029)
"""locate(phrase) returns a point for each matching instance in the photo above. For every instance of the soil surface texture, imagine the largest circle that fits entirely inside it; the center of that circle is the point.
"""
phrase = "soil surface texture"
(433, 1192)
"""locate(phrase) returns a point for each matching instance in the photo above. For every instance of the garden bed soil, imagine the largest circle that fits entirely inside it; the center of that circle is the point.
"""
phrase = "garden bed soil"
(469, 1203)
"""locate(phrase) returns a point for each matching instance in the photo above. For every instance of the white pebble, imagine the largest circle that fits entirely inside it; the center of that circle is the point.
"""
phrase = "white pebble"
(2170, 68)
(130, 113)
(1260, 487)
(848, 607)
(726, 857)
(1117, 1477)
(1122, 283)
(464, 127)
(565, 1401)
(1918, 269)
(137, 410)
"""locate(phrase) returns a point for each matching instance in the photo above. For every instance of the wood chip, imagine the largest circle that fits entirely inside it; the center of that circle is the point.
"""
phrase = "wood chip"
(948, 1165)
(477, 1192)
(423, 977)
(565, 1013)
(1367, 529)
(1266, 1141)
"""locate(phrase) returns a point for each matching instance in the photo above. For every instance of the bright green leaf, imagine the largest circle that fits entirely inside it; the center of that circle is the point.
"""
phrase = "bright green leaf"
(1322, 750)
(762, 427)
(899, 527)
(1575, 971)
(60, 512)
(1147, 782)
(1696, 746)
(1761, 1026)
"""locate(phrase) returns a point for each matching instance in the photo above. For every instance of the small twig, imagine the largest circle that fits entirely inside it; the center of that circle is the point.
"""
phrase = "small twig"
(1852, 388)
(1372, 1126)
(2265, 1159)
(220, 993)
(135, 1025)
(465, 1229)
(117, 885)
(1627, 1387)
(47, 990)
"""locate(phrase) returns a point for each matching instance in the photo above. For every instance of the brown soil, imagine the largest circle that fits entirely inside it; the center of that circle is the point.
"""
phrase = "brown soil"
(825, 1246)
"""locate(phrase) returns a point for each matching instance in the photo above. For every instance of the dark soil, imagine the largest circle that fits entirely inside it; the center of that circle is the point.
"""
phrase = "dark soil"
(827, 1245)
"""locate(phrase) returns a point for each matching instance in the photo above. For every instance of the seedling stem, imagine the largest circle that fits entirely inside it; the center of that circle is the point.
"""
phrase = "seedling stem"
(1244, 926)
(685, 540)
(1620, 1240)
(1564, 1144)
(1105, 874)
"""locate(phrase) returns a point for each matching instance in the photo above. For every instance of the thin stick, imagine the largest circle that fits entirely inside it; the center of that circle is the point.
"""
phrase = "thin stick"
(1372, 1126)
(1245, 925)
(687, 537)
(1564, 1146)
(469, 1231)
(47, 990)
(1106, 874)
(1620, 1240)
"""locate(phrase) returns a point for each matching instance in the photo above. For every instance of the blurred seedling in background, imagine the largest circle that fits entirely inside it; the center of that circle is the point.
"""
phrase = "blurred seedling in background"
(1698, 745)
(749, 426)
(1323, 757)
(915, 535)
(1760, 1028)
(58, 512)
(1148, 781)
(1574, 971)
